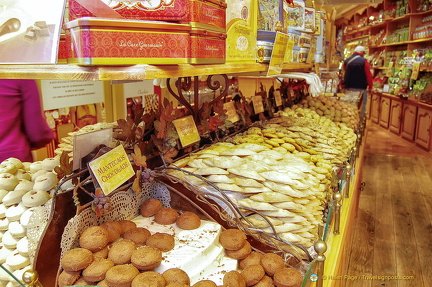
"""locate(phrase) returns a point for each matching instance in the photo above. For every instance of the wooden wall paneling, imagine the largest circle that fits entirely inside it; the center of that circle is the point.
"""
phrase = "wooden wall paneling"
(423, 131)
(384, 112)
(409, 117)
(395, 116)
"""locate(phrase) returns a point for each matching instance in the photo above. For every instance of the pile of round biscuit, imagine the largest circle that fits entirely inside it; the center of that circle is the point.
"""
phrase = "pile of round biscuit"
(23, 187)
(118, 253)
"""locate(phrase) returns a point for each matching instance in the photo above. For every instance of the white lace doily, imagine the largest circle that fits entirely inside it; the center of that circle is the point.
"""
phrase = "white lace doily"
(37, 223)
(126, 205)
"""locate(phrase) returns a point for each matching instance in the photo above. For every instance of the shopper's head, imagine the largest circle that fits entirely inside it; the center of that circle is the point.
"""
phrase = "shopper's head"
(360, 50)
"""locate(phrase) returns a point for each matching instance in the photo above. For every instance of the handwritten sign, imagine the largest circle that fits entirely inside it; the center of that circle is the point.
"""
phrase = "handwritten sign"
(187, 130)
(112, 169)
(278, 54)
(231, 111)
(278, 98)
(258, 104)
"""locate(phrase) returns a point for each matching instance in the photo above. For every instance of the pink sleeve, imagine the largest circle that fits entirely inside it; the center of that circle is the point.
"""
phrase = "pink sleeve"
(368, 74)
(35, 125)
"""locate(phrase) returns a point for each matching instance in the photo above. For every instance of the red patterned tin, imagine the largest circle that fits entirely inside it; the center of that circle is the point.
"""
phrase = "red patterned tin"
(207, 47)
(96, 41)
(199, 13)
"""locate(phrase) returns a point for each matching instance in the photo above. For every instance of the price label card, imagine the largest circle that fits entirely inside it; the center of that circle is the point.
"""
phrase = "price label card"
(278, 98)
(289, 51)
(258, 104)
(278, 54)
(415, 71)
(187, 131)
(112, 169)
(231, 111)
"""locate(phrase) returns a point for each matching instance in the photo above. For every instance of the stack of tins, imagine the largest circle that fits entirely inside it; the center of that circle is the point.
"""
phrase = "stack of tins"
(146, 32)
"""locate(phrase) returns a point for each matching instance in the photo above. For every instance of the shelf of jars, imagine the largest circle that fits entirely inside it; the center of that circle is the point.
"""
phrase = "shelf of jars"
(133, 72)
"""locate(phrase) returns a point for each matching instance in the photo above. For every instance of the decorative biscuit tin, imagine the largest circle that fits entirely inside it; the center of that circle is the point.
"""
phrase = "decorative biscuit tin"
(95, 41)
(207, 47)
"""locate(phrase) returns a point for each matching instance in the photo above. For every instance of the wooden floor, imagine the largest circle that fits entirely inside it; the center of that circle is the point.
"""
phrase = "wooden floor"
(393, 232)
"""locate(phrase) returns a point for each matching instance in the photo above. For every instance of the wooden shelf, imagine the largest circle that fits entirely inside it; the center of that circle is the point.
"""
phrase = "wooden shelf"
(134, 72)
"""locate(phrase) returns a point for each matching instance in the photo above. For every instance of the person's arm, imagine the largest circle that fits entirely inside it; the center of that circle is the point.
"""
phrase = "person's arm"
(35, 125)
(368, 74)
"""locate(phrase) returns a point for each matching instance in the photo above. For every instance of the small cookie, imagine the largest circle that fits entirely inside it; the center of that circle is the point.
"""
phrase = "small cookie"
(8, 181)
(14, 161)
(253, 274)
(163, 241)
(232, 239)
(45, 182)
(97, 270)
(9, 241)
(25, 217)
(22, 246)
(149, 279)
(205, 283)
(35, 166)
(4, 276)
(24, 184)
(102, 283)
(233, 279)
(16, 261)
(139, 235)
(242, 253)
(252, 259)
(3, 193)
(35, 198)
(50, 163)
(146, 258)
(272, 263)
(101, 254)
(166, 216)
(37, 174)
(17, 230)
(121, 275)
(4, 224)
(4, 253)
(114, 230)
(14, 212)
(150, 207)
(13, 197)
(2, 211)
(94, 238)
(266, 281)
(68, 278)
(288, 277)
(76, 259)
(8, 167)
(121, 252)
(126, 225)
(176, 275)
(82, 282)
(23, 174)
(188, 221)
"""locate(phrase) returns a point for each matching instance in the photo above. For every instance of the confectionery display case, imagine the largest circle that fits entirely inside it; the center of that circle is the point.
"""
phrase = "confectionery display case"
(280, 168)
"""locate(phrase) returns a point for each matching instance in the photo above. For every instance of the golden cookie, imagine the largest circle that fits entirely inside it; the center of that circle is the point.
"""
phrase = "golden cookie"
(114, 230)
(150, 207)
(252, 259)
(146, 258)
(233, 279)
(232, 239)
(241, 253)
(94, 238)
(121, 252)
(176, 275)
(68, 278)
(163, 241)
(97, 270)
(188, 221)
(139, 235)
(149, 279)
(126, 225)
(76, 259)
(253, 274)
(288, 277)
(272, 263)
(166, 216)
(121, 275)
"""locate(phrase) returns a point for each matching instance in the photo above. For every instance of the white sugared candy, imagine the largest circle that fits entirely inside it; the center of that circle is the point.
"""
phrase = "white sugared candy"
(35, 198)
(35, 166)
(4, 224)
(24, 184)
(17, 230)
(40, 172)
(46, 182)
(8, 181)
(9, 241)
(16, 261)
(3, 193)
(22, 246)
(14, 212)
(14, 197)
(23, 174)
(25, 217)
(4, 253)
(50, 163)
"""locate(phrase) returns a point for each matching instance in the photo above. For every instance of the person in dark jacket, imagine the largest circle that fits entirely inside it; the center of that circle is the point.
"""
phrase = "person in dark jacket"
(358, 76)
